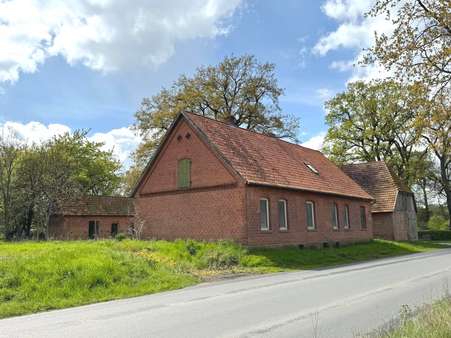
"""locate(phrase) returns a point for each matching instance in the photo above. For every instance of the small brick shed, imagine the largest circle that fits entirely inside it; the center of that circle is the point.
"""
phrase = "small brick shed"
(92, 217)
(394, 210)
(210, 180)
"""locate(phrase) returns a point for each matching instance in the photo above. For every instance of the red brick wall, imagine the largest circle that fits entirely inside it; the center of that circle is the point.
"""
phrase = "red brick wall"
(206, 169)
(77, 227)
(383, 225)
(297, 229)
(212, 209)
(208, 214)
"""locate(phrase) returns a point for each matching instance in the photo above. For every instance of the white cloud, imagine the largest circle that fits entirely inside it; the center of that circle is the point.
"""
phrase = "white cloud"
(122, 141)
(346, 9)
(315, 142)
(31, 132)
(355, 31)
(103, 35)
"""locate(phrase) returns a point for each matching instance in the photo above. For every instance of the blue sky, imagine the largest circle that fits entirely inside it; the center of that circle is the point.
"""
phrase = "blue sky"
(69, 76)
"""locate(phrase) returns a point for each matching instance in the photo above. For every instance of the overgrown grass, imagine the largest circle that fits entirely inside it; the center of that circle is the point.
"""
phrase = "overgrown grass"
(38, 276)
(430, 321)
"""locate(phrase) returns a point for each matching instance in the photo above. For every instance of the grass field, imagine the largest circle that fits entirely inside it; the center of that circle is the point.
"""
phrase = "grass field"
(38, 276)
(431, 321)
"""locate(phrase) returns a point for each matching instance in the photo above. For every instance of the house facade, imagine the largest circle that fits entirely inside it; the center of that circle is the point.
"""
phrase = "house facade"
(394, 210)
(210, 180)
(92, 217)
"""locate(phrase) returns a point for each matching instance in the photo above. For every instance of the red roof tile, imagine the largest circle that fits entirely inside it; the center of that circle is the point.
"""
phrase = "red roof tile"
(266, 160)
(99, 206)
(377, 179)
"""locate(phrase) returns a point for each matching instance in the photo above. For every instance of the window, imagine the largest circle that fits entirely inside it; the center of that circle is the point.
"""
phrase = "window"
(363, 217)
(184, 174)
(93, 231)
(310, 212)
(347, 224)
(335, 222)
(283, 219)
(312, 168)
(113, 230)
(264, 214)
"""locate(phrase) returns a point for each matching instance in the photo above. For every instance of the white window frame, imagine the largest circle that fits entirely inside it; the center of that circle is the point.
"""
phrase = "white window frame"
(267, 214)
(313, 215)
(285, 214)
(336, 225)
(347, 224)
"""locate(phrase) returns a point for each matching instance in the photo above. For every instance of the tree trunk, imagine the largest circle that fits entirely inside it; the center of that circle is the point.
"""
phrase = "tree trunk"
(26, 230)
(425, 200)
(448, 201)
(446, 186)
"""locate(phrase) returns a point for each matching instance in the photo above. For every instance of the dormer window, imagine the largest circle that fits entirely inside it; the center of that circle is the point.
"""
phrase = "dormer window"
(312, 168)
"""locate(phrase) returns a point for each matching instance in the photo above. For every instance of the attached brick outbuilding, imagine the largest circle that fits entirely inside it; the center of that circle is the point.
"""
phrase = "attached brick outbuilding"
(210, 180)
(394, 210)
(93, 217)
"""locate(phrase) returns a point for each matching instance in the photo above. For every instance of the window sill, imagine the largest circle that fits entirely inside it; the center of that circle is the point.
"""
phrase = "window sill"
(283, 230)
(262, 231)
(312, 230)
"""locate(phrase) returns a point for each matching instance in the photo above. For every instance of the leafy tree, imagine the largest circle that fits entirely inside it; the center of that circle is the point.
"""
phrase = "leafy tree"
(376, 121)
(9, 159)
(47, 176)
(420, 46)
(129, 180)
(437, 133)
(426, 186)
(239, 90)
(419, 50)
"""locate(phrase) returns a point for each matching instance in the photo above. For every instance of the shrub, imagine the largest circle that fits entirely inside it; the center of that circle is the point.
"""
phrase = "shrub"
(438, 222)
(120, 237)
(192, 247)
(435, 235)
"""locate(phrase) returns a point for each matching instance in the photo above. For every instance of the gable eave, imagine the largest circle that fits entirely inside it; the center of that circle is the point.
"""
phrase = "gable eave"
(155, 155)
(203, 137)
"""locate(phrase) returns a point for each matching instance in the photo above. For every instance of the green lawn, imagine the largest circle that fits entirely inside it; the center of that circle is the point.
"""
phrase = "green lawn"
(431, 321)
(38, 276)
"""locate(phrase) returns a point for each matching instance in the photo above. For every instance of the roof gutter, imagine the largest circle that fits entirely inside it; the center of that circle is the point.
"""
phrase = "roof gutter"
(272, 185)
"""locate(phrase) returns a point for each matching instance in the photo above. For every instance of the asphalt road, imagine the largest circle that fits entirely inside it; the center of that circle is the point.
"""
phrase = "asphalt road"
(338, 302)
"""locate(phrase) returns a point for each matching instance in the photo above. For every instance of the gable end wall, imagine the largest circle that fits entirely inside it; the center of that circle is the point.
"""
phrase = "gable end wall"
(212, 209)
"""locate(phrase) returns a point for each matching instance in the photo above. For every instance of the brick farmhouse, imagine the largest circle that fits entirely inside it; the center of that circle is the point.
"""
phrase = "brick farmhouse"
(211, 180)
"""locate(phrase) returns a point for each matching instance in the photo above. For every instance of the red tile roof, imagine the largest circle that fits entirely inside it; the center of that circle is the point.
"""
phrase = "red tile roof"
(378, 180)
(99, 206)
(266, 160)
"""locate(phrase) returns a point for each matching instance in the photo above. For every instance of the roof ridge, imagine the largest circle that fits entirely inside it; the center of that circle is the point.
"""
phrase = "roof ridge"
(331, 180)
(250, 131)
